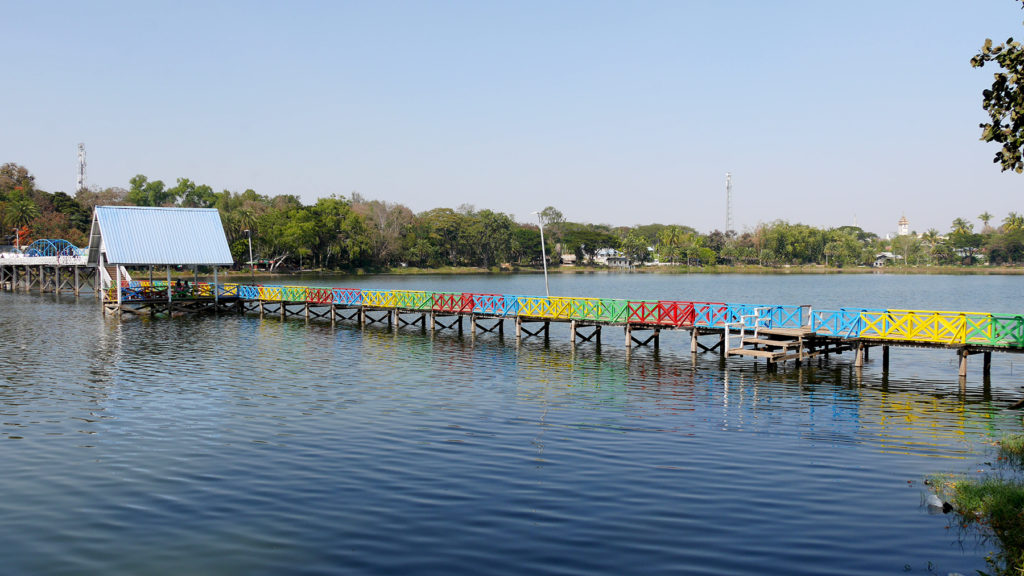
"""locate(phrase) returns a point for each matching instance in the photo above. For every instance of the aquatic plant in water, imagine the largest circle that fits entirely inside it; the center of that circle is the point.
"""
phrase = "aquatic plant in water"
(993, 504)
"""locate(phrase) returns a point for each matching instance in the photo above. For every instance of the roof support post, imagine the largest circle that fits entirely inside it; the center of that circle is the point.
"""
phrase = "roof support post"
(99, 275)
(216, 289)
(118, 274)
(168, 284)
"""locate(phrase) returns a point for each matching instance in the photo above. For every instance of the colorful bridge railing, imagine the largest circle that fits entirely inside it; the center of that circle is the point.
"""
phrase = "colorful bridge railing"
(908, 326)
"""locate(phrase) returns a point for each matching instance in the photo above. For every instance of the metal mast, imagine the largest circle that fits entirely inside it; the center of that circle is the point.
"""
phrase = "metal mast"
(728, 201)
(81, 167)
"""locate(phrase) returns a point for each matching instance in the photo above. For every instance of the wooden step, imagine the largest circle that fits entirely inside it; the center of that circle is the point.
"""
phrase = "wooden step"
(774, 343)
(773, 355)
(787, 332)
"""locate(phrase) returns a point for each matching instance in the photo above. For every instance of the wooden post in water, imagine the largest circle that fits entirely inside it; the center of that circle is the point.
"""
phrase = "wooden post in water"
(858, 361)
(572, 332)
(963, 362)
(885, 358)
(986, 366)
(629, 337)
(519, 328)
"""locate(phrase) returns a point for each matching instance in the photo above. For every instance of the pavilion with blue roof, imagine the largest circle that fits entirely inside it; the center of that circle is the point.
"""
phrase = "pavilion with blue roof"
(137, 236)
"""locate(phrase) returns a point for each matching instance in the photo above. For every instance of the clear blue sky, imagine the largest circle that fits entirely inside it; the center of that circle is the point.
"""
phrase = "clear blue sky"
(618, 112)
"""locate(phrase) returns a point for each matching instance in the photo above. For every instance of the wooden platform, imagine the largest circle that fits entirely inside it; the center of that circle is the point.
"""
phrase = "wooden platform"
(781, 344)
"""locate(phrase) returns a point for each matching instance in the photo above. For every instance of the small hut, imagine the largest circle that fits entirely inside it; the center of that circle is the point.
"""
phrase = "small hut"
(136, 236)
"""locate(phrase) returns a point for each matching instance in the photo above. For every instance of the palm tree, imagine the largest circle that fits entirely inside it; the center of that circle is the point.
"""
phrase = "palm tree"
(962, 226)
(931, 238)
(1013, 221)
(984, 217)
(21, 212)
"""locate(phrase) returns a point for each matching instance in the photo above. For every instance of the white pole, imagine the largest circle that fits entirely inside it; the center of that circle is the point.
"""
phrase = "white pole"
(543, 255)
(252, 265)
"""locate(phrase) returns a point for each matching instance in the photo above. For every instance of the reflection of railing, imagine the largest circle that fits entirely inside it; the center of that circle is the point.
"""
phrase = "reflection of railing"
(908, 326)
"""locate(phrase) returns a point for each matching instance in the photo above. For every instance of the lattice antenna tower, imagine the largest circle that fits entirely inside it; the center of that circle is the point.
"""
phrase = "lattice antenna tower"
(81, 167)
(728, 201)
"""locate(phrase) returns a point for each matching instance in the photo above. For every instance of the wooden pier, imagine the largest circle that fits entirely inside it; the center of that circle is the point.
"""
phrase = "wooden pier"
(776, 334)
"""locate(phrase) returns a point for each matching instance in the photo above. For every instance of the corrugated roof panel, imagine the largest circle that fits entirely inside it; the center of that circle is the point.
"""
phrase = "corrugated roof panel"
(135, 235)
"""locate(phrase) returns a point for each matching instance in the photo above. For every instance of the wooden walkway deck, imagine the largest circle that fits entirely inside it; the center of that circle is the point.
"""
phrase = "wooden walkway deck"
(773, 333)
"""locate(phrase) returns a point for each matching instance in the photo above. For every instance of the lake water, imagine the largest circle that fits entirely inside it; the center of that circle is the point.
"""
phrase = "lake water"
(240, 445)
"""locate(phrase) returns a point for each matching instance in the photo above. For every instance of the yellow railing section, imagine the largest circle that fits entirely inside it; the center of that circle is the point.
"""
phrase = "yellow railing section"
(271, 293)
(930, 326)
(379, 298)
(554, 308)
(412, 299)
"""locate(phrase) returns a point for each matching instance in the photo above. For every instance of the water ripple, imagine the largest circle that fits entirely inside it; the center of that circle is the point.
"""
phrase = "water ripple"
(245, 445)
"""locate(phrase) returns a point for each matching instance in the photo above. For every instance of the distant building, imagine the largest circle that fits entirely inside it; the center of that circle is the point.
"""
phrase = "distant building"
(882, 258)
(904, 226)
(611, 257)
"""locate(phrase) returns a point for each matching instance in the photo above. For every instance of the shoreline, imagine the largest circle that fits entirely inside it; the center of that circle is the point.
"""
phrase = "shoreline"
(671, 270)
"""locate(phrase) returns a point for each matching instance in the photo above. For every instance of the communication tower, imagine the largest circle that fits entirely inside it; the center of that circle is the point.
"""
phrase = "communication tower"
(81, 167)
(728, 201)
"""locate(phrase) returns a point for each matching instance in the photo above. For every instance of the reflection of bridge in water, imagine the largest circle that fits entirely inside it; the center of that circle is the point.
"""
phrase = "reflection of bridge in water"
(775, 333)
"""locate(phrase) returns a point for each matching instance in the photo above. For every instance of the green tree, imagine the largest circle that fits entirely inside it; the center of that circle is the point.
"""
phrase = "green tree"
(962, 226)
(634, 245)
(142, 192)
(20, 212)
(445, 229)
(931, 240)
(985, 217)
(1013, 221)
(14, 177)
(1004, 101)
(967, 244)
(191, 195)
(386, 223)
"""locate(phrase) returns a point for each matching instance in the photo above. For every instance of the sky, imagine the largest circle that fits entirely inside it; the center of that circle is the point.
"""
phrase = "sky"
(825, 113)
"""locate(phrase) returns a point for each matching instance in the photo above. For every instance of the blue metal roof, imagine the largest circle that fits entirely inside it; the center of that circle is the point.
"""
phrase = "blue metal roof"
(139, 236)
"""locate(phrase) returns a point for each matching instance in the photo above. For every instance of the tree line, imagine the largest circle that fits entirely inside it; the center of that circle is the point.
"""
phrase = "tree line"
(339, 233)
